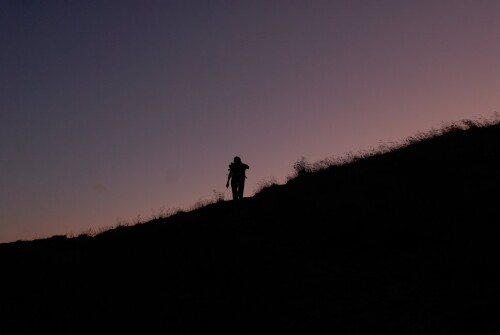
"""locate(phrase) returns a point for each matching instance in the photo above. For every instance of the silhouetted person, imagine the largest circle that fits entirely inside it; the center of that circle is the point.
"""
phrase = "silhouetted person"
(237, 177)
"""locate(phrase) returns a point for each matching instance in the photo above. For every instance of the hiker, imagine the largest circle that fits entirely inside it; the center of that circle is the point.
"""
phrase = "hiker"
(237, 177)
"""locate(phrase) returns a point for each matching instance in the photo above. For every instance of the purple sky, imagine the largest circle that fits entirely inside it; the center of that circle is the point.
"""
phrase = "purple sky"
(114, 109)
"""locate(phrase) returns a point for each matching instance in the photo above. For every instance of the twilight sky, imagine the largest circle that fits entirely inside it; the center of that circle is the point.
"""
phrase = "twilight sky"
(114, 109)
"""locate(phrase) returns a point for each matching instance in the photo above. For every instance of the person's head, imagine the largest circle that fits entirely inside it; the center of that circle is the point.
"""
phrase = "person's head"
(237, 159)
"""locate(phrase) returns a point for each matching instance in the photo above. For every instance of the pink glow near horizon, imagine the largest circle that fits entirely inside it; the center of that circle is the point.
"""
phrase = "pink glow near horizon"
(118, 109)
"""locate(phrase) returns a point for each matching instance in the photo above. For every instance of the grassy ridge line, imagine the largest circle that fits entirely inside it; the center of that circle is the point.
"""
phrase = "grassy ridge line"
(402, 242)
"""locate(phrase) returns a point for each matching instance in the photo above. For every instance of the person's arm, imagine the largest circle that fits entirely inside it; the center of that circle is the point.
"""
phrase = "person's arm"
(229, 175)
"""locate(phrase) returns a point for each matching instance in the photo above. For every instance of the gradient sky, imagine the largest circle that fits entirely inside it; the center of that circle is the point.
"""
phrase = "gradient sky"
(114, 109)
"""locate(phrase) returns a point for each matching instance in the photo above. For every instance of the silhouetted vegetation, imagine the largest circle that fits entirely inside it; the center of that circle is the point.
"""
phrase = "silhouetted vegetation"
(398, 240)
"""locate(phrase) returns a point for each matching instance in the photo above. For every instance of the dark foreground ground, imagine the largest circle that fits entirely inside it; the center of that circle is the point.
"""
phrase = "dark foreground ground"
(400, 243)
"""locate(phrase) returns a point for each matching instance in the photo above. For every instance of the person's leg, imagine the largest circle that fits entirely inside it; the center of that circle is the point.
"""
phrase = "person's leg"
(240, 189)
(234, 188)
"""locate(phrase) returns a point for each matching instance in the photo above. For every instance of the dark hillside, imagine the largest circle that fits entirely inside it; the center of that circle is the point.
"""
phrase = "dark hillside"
(401, 242)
